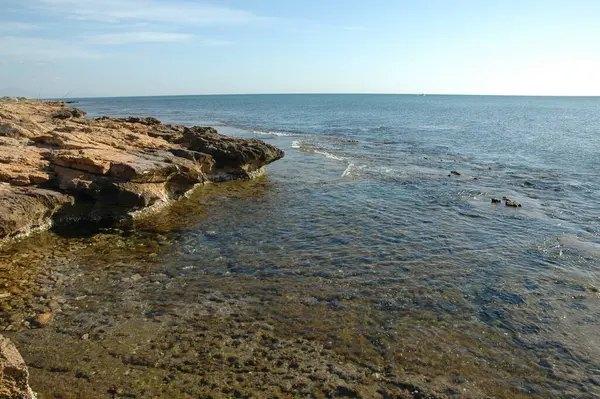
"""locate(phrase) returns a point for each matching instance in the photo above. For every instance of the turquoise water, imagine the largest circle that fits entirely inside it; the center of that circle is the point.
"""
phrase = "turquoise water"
(364, 207)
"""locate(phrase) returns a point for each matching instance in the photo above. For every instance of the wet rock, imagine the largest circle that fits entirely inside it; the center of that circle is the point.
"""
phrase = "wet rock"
(511, 203)
(23, 209)
(54, 306)
(13, 371)
(496, 201)
(42, 320)
(235, 156)
(454, 173)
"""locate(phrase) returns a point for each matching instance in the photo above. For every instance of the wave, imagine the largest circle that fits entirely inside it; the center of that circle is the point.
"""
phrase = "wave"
(329, 155)
(353, 170)
(305, 146)
(273, 133)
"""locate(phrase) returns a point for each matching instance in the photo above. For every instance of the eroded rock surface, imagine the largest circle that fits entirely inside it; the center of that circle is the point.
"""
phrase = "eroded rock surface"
(14, 376)
(50, 156)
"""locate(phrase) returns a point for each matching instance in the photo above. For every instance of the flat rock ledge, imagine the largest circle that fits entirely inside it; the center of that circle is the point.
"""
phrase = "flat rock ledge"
(14, 376)
(54, 162)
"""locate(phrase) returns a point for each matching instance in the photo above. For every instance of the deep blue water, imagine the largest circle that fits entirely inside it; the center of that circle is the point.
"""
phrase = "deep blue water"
(364, 197)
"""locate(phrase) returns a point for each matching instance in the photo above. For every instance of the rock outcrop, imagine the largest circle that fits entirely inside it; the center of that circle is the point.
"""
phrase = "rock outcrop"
(14, 376)
(52, 159)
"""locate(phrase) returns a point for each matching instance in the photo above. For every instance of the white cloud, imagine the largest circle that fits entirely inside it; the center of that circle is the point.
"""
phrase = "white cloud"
(16, 26)
(173, 11)
(39, 49)
(137, 37)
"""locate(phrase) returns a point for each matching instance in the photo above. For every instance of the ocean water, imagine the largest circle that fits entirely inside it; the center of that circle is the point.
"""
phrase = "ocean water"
(362, 240)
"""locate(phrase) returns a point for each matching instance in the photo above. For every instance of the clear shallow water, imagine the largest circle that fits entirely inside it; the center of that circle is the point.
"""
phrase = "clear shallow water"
(359, 240)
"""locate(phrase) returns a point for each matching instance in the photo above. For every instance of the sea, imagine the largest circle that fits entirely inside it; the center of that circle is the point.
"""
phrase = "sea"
(376, 239)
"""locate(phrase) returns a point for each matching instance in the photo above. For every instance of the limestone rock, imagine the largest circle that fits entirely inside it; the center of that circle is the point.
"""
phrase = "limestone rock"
(119, 165)
(14, 376)
(23, 209)
(232, 155)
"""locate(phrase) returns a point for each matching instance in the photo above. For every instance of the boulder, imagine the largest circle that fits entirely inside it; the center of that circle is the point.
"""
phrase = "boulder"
(24, 209)
(232, 155)
(14, 376)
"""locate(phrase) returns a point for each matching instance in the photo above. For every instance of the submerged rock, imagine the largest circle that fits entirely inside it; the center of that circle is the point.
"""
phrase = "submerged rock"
(42, 320)
(511, 203)
(14, 375)
(496, 201)
(51, 158)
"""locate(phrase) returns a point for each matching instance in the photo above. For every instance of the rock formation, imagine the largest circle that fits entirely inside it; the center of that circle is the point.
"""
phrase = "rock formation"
(52, 159)
(14, 376)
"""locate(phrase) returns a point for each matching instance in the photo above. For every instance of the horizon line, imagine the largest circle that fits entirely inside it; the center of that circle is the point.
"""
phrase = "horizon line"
(327, 93)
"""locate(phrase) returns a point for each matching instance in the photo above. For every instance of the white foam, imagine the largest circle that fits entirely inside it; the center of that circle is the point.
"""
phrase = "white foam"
(273, 133)
(307, 147)
(353, 170)
(329, 155)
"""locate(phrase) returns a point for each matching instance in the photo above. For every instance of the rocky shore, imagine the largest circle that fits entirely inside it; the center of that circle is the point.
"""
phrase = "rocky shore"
(57, 165)
(14, 376)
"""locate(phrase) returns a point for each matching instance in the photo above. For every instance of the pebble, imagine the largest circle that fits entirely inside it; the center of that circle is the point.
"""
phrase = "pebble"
(54, 306)
(135, 277)
(5, 295)
(42, 320)
(85, 336)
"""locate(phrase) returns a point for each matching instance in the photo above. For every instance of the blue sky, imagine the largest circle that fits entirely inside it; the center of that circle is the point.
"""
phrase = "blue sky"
(154, 47)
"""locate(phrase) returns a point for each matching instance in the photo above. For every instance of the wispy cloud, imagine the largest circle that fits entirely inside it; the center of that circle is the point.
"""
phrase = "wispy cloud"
(39, 49)
(137, 37)
(16, 26)
(173, 11)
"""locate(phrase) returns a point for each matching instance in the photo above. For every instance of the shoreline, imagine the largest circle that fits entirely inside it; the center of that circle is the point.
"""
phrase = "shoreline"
(57, 167)
(115, 167)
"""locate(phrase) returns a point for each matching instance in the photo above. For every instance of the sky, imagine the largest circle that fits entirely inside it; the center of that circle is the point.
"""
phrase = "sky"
(88, 48)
